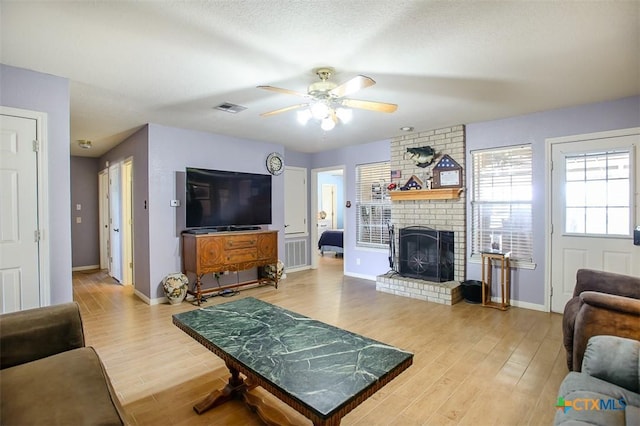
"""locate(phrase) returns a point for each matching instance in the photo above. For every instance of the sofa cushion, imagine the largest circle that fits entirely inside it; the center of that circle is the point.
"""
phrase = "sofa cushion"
(39, 332)
(578, 387)
(70, 388)
(615, 360)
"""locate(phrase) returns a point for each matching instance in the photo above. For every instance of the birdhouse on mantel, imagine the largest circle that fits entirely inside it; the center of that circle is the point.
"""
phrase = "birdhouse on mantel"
(447, 173)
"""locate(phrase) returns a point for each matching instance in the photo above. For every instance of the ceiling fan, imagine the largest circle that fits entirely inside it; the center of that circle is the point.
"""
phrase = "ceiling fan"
(326, 97)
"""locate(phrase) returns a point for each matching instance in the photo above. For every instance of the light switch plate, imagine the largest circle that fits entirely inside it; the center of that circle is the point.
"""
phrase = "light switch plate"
(174, 203)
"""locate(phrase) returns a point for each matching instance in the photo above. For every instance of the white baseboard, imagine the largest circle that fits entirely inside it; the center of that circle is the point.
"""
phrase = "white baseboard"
(363, 276)
(85, 268)
(298, 269)
(525, 305)
(150, 302)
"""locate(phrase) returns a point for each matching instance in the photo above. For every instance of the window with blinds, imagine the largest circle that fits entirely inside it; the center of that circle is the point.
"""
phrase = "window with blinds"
(373, 204)
(501, 205)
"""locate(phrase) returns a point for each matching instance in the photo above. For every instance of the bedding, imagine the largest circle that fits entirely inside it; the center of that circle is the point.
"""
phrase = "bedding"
(332, 240)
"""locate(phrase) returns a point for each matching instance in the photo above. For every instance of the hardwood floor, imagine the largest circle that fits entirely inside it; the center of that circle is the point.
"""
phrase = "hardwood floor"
(472, 365)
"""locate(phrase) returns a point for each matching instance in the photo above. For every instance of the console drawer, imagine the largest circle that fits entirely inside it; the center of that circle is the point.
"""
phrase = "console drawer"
(240, 241)
(241, 255)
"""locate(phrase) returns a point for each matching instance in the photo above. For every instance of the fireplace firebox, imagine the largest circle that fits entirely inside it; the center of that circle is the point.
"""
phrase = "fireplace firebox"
(426, 254)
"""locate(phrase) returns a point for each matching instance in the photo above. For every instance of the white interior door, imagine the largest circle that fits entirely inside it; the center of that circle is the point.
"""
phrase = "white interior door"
(329, 203)
(115, 219)
(295, 201)
(594, 199)
(19, 228)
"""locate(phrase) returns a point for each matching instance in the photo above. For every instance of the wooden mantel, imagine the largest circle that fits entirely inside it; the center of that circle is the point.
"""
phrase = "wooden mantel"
(426, 194)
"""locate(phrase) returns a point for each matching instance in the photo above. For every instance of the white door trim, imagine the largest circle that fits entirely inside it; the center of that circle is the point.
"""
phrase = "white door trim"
(43, 196)
(103, 214)
(548, 164)
(314, 210)
(127, 214)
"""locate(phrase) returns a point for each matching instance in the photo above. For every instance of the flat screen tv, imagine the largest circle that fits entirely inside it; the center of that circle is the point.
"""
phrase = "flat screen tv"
(217, 198)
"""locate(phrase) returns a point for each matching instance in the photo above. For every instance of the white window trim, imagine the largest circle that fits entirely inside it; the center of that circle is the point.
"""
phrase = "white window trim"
(476, 257)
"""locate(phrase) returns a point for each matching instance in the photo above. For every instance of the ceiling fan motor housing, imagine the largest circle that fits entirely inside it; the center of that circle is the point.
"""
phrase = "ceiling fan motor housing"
(321, 89)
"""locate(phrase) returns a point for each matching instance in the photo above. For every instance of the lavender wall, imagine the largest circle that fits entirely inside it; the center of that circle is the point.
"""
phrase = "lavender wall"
(136, 147)
(372, 261)
(30, 90)
(171, 150)
(85, 240)
(529, 285)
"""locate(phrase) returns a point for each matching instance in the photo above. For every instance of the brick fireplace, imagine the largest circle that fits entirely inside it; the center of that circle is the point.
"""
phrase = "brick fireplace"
(426, 254)
(444, 217)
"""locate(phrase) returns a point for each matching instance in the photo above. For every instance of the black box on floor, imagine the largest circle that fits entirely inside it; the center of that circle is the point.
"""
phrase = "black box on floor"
(472, 291)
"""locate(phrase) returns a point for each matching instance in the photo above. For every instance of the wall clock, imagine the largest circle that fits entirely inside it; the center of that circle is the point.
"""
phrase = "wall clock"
(275, 163)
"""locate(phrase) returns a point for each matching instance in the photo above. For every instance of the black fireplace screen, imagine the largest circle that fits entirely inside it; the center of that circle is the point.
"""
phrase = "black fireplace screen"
(426, 253)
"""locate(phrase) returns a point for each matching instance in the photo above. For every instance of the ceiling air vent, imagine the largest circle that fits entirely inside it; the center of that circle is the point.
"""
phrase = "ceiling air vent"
(229, 107)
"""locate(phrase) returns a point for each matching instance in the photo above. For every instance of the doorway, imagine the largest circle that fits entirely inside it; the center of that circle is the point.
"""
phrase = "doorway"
(593, 208)
(116, 222)
(24, 254)
(327, 205)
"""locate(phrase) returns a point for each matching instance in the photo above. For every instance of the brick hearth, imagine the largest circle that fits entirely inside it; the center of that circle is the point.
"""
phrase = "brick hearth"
(446, 293)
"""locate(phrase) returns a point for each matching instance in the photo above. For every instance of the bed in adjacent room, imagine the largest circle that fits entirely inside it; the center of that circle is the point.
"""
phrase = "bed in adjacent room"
(332, 240)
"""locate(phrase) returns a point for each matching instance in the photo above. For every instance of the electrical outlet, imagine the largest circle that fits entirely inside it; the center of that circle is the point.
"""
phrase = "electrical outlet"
(78, 219)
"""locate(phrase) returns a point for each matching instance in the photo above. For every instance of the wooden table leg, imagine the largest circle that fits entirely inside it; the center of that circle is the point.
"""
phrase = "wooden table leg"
(239, 388)
(235, 387)
(198, 289)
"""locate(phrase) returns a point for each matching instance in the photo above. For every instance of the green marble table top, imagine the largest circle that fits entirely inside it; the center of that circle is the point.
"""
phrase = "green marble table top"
(319, 365)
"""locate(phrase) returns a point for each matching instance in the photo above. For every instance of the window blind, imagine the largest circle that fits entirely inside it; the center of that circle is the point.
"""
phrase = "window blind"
(502, 201)
(373, 204)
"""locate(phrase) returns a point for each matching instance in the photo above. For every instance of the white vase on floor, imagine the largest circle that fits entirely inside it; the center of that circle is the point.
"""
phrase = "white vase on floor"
(175, 287)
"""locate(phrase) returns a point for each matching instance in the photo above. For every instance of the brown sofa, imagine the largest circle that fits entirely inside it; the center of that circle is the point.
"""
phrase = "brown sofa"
(604, 303)
(48, 376)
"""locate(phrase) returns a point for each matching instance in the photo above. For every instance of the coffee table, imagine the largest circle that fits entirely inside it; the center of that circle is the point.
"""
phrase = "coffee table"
(320, 370)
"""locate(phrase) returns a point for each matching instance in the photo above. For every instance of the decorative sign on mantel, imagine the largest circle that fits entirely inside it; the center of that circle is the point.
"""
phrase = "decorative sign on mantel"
(447, 173)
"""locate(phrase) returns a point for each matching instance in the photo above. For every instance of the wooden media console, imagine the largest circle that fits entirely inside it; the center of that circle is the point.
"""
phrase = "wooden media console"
(218, 252)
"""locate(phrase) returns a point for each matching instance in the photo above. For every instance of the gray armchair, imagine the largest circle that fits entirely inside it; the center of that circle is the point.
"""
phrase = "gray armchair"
(606, 391)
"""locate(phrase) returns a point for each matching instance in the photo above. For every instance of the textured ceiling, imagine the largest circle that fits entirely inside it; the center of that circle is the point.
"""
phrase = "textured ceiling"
(443, 63)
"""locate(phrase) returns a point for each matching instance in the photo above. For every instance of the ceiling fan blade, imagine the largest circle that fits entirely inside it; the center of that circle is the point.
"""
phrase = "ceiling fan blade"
(370, 105)
(352, 86)
(285, 91)
(285, 109)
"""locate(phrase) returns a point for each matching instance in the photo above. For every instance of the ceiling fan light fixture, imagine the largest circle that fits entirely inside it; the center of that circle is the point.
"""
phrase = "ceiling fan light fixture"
(320, 110)
(327, 124)
(344, 114)
(304, 116)
(328, 103)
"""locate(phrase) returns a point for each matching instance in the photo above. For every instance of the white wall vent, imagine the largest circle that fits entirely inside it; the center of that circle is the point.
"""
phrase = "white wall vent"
(295, 253)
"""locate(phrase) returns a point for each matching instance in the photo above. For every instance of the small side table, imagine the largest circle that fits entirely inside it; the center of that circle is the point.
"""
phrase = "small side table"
(488, 259)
